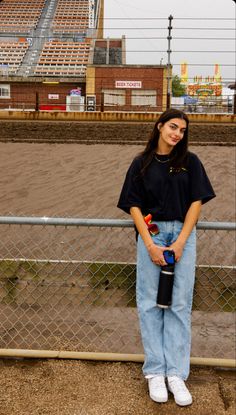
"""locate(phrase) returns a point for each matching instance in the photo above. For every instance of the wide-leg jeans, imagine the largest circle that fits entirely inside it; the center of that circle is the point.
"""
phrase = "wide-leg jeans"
(166, 333)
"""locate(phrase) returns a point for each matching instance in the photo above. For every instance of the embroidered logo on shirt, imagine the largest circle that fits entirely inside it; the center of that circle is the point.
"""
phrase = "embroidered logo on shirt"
(173, 170)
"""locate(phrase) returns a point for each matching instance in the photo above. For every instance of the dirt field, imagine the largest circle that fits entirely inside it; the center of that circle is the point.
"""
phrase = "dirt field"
(106, 132)
(85, 180)
(56, 387)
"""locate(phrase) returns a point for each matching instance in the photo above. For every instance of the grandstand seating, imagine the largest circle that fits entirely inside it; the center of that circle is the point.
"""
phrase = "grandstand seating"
(60, 58)
(20, 16)
(11, 56)
(71, 16)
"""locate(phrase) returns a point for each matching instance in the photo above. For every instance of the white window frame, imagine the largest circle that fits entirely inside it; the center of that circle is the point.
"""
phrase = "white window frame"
(7, 88)
(150, 97)
(114, 97)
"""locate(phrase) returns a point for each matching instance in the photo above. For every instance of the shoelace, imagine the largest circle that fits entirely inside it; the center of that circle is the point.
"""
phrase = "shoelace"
(159, 382)
(178, 386)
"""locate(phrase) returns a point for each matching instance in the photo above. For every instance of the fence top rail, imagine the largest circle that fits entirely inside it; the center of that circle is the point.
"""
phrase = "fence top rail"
(114, 223)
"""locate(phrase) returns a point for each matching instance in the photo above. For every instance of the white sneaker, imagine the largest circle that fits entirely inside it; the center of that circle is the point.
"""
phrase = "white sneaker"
(178, 388)
(157, 389)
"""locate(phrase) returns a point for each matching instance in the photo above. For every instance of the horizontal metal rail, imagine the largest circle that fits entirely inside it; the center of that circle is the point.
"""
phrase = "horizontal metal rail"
(113, 223)
(108, 357)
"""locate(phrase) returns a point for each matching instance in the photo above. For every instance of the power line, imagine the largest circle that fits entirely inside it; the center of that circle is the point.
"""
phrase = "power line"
(165, 18)
(81, 30)
(162, 51)
(174, 28)
(159, 18)
(127, 38)
(153, 18)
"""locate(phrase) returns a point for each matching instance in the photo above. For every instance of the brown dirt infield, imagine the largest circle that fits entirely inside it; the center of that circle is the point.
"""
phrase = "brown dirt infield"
(57, 387)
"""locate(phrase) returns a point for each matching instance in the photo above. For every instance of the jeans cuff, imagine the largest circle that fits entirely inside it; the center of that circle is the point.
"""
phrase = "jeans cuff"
(153, 375)
(177, 375)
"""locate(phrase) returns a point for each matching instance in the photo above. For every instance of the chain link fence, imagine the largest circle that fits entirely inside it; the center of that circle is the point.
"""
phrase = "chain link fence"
(69, 284)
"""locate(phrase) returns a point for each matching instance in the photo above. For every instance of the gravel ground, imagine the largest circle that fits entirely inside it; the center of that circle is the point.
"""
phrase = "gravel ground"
(66, 387)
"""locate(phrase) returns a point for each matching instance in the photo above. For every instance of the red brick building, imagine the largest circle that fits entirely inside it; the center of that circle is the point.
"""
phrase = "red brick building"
(111, 88)
(37, 94)
(127, 87)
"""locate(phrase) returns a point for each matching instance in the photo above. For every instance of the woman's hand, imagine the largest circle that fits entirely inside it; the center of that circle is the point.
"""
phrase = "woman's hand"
(156, 254)
(177, 247)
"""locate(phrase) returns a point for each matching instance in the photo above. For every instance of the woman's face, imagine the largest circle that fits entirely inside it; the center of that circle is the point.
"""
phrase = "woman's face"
(171, 132)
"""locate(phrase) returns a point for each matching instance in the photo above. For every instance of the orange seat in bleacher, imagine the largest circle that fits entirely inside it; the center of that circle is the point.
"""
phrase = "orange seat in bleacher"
(20, 16)
(11, 55)
(71, 16)
(63, 58)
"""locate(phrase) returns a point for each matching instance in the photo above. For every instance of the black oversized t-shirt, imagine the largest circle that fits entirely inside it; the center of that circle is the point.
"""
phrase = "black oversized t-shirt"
(165, 192)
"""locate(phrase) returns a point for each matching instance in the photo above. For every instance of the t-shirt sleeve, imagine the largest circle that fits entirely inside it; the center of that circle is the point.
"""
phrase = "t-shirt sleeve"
(201, 188)
(132, 190)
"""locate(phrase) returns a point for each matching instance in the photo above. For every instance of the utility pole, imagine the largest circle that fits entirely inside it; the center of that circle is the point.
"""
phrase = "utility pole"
(169, 37)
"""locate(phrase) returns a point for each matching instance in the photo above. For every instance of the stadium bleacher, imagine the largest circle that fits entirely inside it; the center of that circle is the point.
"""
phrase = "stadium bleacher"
(50, 52)
(12, 55)
(63, 58)
(71, 16)
(20, 16)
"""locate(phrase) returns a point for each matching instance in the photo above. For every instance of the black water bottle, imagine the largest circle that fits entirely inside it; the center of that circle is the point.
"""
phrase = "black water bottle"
(166, 281)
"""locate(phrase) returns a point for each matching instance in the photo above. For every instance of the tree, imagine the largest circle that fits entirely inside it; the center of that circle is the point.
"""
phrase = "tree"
(178, 89)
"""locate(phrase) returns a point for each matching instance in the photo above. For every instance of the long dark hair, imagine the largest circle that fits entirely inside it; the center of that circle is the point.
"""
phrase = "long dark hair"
(178, 156)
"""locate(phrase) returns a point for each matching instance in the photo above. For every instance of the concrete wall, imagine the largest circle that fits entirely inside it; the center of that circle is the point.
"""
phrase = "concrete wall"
(109, 116)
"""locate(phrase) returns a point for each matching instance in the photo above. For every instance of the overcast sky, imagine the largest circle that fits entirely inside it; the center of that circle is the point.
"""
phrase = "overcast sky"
(146, 21)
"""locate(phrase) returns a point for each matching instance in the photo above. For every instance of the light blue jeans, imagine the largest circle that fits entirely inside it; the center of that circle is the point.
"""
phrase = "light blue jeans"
(166, 333)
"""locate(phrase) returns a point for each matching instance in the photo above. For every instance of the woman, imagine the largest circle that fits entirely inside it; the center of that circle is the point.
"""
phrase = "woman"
(170, 183)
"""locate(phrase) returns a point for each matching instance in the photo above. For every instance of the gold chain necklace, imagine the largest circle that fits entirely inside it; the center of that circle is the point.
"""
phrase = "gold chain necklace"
(161, 161)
